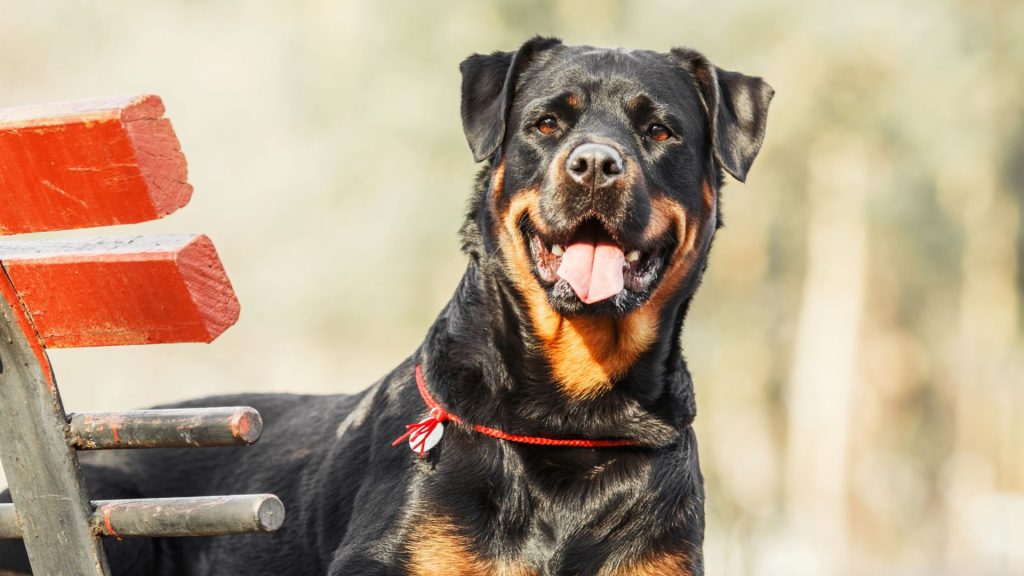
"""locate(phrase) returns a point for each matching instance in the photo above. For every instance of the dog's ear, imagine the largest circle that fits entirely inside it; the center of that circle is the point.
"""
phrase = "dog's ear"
(737, 107)
(488, 85)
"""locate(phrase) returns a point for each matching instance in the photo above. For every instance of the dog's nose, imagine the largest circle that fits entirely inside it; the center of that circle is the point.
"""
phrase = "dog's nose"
(596, 165)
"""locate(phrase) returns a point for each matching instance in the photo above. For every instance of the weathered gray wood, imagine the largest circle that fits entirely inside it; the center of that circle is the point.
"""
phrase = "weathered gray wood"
(170, 428)
(198, 516)
(42, 469)
(169, 517)
(10, 527)
(98, 246)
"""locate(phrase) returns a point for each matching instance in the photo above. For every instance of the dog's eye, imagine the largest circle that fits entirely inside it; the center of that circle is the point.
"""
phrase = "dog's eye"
(547, 125)
(658, 133)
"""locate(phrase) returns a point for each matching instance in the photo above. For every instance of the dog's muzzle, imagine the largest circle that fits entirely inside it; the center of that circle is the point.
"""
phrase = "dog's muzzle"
(594, 166)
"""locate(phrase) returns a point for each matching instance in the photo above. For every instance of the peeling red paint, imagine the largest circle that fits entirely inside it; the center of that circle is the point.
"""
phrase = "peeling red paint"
(27, 327)
(240, 426)
(107, 525)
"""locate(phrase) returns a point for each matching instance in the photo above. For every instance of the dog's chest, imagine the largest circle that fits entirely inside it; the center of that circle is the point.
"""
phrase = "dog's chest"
(435, 551)
(505, 528)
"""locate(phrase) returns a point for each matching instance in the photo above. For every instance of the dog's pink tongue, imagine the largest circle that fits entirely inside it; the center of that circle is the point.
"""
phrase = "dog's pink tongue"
(593, 268)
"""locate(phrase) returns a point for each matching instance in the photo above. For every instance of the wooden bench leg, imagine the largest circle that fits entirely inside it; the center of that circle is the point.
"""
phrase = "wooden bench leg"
(41, 466)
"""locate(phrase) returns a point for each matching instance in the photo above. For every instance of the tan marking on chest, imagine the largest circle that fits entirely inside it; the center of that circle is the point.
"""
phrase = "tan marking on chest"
(676, 564)
(437, 549)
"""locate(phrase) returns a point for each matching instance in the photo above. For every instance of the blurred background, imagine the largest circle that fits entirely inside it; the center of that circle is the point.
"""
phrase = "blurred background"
(857, 344)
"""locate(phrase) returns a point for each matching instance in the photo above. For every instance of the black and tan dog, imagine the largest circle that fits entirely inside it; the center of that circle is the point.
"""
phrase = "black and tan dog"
(556, 368)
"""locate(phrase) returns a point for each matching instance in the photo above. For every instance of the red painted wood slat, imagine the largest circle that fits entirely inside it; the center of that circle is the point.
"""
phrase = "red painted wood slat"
(119, 291)
(89, 163)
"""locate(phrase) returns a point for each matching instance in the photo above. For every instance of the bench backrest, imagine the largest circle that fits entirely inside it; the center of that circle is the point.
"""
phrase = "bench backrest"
(81, 165)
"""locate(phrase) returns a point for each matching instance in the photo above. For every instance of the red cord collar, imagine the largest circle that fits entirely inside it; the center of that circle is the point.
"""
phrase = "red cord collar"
(425, 434)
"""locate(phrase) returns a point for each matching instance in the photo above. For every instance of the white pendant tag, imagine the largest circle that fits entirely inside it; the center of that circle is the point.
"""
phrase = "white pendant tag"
(426, 437)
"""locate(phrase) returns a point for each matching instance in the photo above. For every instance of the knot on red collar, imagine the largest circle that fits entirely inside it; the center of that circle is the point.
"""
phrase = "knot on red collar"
(438, 413)
(426, 433)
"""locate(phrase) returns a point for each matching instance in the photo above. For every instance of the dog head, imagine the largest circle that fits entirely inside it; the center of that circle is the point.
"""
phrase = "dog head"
(601, 197)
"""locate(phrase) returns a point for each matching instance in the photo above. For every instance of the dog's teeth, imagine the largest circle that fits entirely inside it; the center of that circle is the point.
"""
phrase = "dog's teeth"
(633, 256)
(557, 250)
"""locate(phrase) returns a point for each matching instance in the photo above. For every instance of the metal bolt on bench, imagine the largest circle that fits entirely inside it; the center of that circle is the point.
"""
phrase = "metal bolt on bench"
(81, 165)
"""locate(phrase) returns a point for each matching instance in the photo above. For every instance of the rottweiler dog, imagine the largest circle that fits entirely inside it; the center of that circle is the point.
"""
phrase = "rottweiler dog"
(550, 409)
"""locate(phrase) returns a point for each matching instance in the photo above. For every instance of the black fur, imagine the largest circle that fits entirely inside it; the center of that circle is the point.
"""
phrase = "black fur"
(358, 506)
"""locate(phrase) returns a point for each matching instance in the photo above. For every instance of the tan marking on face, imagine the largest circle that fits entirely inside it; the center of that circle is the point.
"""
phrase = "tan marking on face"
(690, 233)
(498, 179)
(572, 100)
(587, 353)
(583, 352)
(437, 549)
(662, 219)
(708, 202)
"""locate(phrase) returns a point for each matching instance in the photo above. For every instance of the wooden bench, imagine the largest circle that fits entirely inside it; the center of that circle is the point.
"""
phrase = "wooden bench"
(81, 165)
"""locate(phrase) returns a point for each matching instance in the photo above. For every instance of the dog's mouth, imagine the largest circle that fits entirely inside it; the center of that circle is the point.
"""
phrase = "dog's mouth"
(592, 267)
